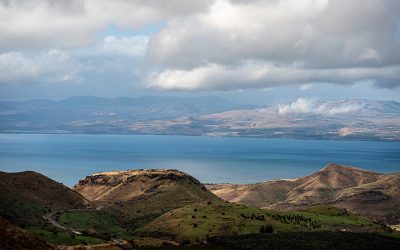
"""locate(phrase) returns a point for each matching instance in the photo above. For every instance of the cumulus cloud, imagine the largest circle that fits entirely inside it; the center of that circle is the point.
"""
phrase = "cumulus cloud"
(261, 75)
(41, 23)
(313, 106)
(70, 65)
(311, 38)
(52, 66)
(212, 44)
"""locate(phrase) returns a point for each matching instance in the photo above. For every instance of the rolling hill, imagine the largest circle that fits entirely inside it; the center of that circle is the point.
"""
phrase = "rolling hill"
(137, 196)
(370, 194)
(26, 196)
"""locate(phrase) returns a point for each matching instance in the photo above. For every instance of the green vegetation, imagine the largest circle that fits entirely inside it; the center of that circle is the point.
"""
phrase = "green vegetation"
(327, 218)
(22, 213)
(93, 222)
(199, 221)
(141, 211)
(60, 236)
(196, 222)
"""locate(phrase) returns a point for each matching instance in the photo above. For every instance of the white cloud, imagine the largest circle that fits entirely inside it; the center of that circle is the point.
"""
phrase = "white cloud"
(41, 23)
(208, 44)
(310, 38)
(260, 75)
(56, 65)
(124, 46)
(52, 66)
(307, 86)
(312, 106)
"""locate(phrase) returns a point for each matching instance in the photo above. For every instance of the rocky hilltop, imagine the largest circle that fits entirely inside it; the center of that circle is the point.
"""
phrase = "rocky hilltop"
(130, 184)
(367, 193)
(143, 193)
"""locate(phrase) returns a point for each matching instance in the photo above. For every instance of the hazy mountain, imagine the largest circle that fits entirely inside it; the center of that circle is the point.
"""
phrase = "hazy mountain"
(370, 194)
(110, 114)
(210, 116)
(309, 119)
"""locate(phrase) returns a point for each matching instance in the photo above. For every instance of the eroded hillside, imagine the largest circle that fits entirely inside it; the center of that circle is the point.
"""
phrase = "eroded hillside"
(364, 192)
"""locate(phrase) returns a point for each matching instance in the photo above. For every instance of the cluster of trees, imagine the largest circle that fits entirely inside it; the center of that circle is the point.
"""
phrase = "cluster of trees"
(253, 217)
(295, 219)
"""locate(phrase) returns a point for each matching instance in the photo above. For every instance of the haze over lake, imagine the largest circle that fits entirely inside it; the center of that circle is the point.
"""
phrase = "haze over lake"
(69, 157)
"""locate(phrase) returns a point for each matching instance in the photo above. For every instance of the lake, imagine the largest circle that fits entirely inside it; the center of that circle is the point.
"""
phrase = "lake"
(70, 157)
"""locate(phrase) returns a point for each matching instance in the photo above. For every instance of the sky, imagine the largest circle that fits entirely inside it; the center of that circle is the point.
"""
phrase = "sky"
(256, 52)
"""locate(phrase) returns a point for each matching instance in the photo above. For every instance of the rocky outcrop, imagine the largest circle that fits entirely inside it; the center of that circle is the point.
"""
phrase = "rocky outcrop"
(131, 184)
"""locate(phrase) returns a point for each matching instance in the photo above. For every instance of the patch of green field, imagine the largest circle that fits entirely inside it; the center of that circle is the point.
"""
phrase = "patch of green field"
(97, 222)
(64, 237)
(196, 222)
(334, 219)
(141, 211)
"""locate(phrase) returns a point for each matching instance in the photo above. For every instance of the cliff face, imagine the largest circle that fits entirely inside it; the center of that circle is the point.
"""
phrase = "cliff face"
(364, 192)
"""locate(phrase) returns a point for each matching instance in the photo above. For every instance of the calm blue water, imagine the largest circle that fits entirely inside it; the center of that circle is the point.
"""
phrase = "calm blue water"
(68, 158)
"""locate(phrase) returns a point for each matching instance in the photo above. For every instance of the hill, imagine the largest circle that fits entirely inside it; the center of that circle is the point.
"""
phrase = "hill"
(39, 189)
(26, 196)
(137, 196)
(156, 207)
(370, 194)
(200, 221)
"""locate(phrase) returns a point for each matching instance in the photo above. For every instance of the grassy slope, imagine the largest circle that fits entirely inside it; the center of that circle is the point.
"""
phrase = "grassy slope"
(334, 219)
(135, 214)
(62, 237)
(221, 218)
(22, 212)
(100, 223)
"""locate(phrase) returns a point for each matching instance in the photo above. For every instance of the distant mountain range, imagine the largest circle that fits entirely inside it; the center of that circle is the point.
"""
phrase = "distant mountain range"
(209, 116)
